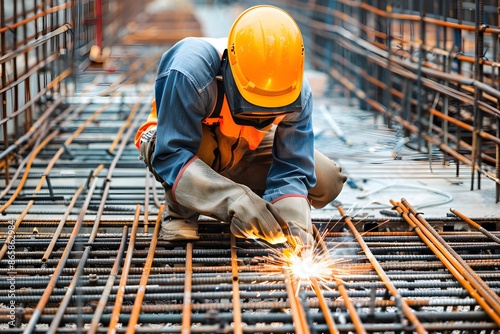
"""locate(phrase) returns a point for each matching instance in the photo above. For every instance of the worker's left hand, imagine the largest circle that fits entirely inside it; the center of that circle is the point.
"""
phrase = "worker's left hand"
(296, 212)
(147, 148)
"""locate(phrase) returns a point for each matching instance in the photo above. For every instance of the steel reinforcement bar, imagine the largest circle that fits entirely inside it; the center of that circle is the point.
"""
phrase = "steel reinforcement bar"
(124, 279)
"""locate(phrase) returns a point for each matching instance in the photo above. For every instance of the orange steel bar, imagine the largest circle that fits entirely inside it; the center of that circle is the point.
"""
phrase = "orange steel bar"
(188, 280)
(134, 315)
(353, 313)
(94, 325)
(237, 328)
(330, 323)
(385, 279)
(420, 230)
(20, 218)
(464, 125)
(125, 271)
(46, 12)
(26, 173)
(298, 315)
(411, 17)
(351, 309)
(476, 225)
(485, 291)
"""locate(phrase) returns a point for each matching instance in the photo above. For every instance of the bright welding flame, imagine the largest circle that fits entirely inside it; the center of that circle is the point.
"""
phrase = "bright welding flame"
(309, 265)
(318, 265)
(304, 268)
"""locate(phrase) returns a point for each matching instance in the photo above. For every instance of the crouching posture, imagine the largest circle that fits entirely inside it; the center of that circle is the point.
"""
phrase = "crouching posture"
(230, 133)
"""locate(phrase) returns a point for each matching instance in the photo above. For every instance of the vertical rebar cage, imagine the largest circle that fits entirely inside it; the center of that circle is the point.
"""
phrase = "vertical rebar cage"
(35, 59)
(42, 43)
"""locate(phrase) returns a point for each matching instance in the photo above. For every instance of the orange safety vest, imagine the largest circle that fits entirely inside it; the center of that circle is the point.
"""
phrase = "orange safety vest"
(230, 129)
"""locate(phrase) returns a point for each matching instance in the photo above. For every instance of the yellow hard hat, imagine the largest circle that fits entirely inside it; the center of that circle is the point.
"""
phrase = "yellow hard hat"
(266, 56)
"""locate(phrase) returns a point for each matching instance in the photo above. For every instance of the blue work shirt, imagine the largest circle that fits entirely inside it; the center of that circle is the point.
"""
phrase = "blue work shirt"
(186, 93)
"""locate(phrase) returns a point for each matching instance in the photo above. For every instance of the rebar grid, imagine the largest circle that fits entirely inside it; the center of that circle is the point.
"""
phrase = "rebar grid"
(41, 45)
(224, 284)
(80, 248)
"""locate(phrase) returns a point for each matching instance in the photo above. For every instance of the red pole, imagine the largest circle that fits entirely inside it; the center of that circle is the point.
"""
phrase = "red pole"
(98, 14)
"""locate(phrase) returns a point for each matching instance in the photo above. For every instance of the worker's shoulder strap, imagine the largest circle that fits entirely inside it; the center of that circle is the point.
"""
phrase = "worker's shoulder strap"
(220, 99)
(216, 111)
(219, 103)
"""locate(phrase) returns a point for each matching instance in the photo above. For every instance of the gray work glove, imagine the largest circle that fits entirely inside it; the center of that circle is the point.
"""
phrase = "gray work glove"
(296, 212)
(147, 148)
(200, 188)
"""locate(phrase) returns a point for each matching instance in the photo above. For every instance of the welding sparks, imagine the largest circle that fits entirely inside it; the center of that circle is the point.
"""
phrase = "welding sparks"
(309, 267)
(304, 267)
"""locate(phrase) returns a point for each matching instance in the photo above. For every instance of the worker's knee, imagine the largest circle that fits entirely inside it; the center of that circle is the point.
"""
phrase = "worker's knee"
(329, 181)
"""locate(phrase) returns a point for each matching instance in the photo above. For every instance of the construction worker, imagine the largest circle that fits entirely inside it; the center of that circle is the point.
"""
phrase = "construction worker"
(230, 134)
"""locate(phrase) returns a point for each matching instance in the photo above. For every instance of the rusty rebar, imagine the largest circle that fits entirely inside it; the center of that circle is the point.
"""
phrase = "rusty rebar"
(62, 222)
(298, 315)
(237, 328)
(57, 272)
(475, 225)
(448, 261)
(188, 285)
(380, 271)
(330, 323)
(134, 315)
(468, 272)
(115, 316)
(94, 324)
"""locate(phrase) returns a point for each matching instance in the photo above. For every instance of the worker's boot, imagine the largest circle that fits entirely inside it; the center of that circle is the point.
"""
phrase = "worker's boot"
(178, 223)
